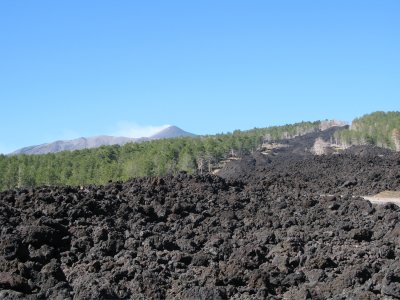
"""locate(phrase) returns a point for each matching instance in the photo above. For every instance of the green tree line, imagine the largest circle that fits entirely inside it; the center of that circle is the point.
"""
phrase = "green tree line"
(154, 158)
(378, 128)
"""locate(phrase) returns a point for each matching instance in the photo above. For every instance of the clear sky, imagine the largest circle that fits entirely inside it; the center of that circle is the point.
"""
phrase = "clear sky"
(83, 68)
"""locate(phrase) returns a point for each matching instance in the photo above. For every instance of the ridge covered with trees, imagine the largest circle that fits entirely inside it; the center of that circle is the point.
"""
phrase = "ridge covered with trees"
(190, 154)
(154, 158)
(380, 129)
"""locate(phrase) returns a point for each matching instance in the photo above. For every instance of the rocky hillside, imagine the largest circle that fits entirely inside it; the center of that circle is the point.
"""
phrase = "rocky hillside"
(275, 228)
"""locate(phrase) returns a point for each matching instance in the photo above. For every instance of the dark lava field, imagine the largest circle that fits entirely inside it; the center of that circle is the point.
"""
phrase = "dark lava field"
(284, 226)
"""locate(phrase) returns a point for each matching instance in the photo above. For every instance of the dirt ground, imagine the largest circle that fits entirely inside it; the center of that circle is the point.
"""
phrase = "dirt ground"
(384, 198)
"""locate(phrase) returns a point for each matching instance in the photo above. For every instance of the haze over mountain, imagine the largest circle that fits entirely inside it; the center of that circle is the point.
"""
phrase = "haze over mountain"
(97, 141)
(171, 132)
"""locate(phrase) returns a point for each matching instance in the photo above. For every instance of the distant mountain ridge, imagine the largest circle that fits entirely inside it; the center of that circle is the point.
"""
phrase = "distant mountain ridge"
(171, 132)
(97, 141)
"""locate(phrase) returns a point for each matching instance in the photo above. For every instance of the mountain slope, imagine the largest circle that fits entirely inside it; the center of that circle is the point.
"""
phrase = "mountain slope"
(379, 128)
(97, 141)
(75, 144)
(154, 158)
(171, 132)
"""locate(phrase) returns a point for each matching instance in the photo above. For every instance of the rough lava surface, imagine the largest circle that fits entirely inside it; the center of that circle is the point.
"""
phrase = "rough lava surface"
(269, 227)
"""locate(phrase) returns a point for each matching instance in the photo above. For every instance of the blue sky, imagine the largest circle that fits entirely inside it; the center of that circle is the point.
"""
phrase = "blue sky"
(82, 68)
